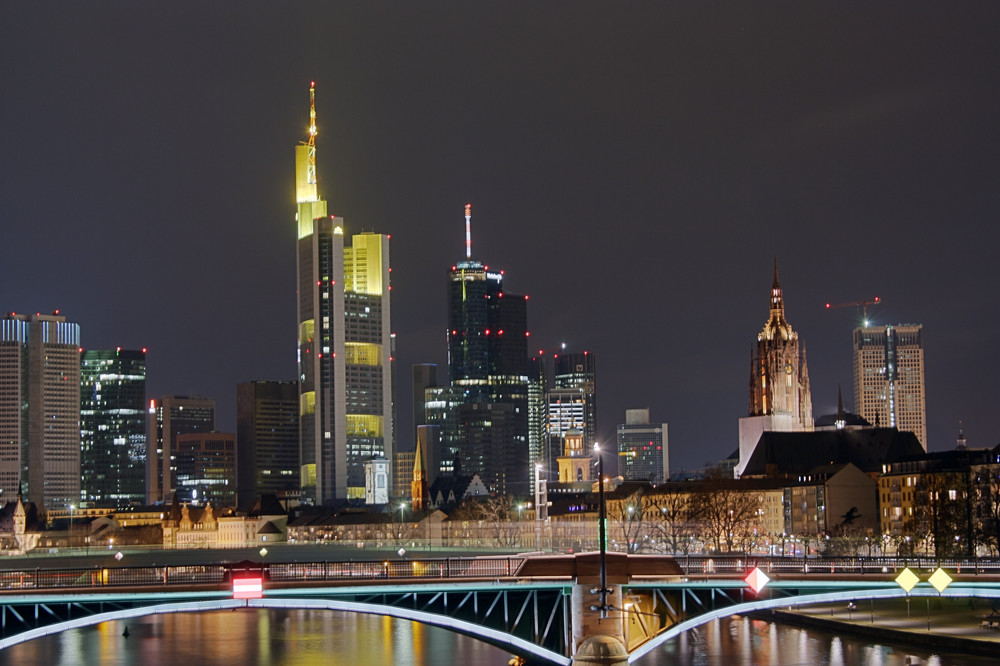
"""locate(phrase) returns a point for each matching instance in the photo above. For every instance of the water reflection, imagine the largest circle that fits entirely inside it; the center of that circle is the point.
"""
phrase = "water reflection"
(306, 637)
(257, 636)
(744, 641)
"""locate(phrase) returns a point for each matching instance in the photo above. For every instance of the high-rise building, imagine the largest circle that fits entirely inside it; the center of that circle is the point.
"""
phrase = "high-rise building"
(643, 448)
(206, 468)
(267, 440)
(113, 427)
(488, 374)
(780, 398)
(572, 401)
(40, 408)
(344, 343)
(168, 417)
(889, 377)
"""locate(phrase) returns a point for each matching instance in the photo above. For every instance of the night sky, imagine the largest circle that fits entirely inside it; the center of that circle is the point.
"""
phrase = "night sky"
(633, 167)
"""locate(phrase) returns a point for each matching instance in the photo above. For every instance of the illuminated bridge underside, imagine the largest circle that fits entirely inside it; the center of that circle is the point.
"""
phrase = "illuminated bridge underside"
(531, 622)
(528, 619)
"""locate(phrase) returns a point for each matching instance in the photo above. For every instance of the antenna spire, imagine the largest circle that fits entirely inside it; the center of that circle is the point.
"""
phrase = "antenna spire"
(468, 231)
(311, 169)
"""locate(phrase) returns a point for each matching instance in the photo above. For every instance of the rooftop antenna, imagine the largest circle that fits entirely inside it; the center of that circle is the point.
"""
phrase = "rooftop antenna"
(468, 231)
(311, 169)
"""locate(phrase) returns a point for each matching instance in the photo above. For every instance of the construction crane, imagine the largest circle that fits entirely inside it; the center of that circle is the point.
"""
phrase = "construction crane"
(855, 304)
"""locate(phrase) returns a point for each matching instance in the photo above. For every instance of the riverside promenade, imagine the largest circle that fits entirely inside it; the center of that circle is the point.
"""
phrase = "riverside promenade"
(952, 624)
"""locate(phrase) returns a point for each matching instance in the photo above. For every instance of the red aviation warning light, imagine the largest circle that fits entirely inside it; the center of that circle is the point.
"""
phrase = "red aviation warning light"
(248, 588)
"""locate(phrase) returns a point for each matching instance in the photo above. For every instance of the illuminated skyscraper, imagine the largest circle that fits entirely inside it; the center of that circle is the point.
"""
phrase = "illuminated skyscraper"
(344, 343)
(168, 417)
(40, 408)
(113, 427)
(572, 402)
(889, 377)
(488, 373)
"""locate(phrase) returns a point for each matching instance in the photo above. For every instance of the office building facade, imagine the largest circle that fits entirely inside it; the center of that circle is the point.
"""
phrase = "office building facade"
(113, 444)
(344, 343)
(483, 413)
(167, 418)
(206, 468)
(643, 448)
(40, 409)
(889, 377)
(267, 440)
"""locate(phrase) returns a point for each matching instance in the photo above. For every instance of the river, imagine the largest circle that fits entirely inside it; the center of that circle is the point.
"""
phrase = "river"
(306, 637)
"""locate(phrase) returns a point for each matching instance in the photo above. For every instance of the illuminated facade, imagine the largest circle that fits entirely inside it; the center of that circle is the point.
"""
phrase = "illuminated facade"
(572, 402)
(168, 417)
(344, 344)
(483, 414)
(113, 427)
(889, 377)
(643, 448)
(40, 409)
(780, 398)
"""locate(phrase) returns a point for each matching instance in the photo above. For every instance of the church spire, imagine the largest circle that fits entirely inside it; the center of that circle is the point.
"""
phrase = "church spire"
(777, 301)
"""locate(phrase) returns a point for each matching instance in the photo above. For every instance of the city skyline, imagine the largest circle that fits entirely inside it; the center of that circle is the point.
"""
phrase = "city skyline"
(635, 171)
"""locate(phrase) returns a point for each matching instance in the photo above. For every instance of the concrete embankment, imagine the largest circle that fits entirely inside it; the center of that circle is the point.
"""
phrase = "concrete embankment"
(944, 624)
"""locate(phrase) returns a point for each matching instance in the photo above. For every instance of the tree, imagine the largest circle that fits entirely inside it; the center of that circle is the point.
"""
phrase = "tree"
(629, 520)
(492, 517)
(677, 514)
(729, 511)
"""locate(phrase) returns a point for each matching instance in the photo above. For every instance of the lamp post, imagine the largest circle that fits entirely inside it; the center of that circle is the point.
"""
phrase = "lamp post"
(72, 510)
(601, 537)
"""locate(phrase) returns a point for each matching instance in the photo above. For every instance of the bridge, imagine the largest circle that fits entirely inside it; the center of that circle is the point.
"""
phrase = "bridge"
(540, 607)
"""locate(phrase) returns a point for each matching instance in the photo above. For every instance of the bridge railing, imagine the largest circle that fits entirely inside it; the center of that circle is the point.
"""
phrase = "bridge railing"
(218, 574)
(838, 566)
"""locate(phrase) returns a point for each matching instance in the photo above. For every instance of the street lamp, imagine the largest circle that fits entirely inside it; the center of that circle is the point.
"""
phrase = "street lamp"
(601, 537)
(72, 510)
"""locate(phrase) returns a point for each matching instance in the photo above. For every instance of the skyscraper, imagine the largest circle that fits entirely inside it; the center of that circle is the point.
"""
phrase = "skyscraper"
(889, 377)
(643, 448)
(40, 408)
(488, 375)
(113, 427)
(168, 417)
(572, 401)
(780, 398)
(344, 343)
(267, 439)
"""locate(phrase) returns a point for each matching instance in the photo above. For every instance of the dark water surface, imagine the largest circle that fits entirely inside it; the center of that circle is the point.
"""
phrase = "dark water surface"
(305, 637)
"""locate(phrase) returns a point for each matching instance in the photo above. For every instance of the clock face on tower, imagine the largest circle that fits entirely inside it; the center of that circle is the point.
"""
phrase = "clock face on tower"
(788, 368)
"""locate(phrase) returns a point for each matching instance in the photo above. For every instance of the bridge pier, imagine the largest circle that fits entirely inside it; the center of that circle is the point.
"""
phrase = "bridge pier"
(597, 639)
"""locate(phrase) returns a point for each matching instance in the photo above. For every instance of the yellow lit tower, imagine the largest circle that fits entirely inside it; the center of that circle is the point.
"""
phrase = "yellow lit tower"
(344, 342)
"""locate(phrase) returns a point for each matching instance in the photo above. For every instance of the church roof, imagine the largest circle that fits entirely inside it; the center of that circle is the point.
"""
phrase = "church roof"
(797, 453)
(830, 420)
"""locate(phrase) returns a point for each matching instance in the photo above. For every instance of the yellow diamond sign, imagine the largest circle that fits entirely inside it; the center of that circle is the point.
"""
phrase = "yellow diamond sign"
(940, 580)
(907, 579)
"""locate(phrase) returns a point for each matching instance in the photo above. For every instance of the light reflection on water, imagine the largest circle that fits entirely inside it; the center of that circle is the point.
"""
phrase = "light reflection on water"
(306, 637)
(258, 636)
(742, 641)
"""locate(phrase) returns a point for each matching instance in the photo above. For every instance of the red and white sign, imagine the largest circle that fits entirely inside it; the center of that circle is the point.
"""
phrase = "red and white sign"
(757, 580)
(248, 588)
